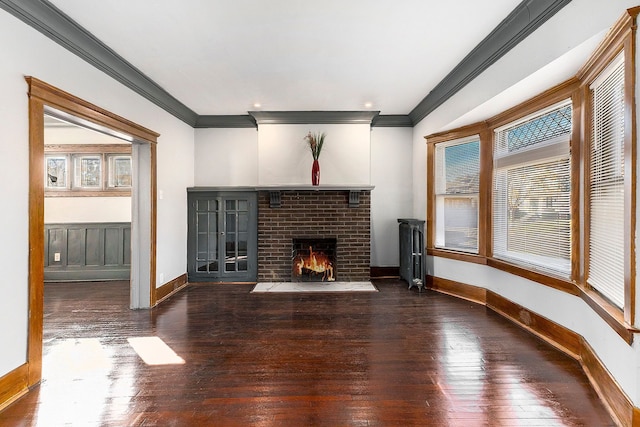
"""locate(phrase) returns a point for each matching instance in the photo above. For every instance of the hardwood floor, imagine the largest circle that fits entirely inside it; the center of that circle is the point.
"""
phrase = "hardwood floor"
(392, 358)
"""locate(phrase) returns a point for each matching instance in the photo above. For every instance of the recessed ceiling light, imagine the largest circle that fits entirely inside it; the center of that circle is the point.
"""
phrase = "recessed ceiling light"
(257, 105)
(368, 105)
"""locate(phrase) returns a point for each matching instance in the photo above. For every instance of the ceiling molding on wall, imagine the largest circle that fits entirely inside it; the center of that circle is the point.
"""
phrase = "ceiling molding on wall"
(53, 23)
(392, 120)
(226, 121)
(314, 117)
(248, 121)
(522, 21)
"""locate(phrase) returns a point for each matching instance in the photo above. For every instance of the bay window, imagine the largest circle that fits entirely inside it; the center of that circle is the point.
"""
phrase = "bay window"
(546, 190)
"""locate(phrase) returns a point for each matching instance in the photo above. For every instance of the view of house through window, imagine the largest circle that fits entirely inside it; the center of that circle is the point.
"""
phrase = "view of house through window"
(532, 191)
(457, 188)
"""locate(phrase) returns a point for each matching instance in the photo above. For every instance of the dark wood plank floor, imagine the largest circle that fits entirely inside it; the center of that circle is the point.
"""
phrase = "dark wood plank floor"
(393, 358)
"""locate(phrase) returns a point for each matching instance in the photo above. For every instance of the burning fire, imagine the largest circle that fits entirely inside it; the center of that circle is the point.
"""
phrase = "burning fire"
(317, 262)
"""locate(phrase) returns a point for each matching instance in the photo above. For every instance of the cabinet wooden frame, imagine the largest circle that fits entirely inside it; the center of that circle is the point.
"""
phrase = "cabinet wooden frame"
(621, 38)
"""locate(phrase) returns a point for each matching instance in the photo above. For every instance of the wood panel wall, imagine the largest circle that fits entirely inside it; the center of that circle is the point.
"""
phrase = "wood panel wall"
(87, 251)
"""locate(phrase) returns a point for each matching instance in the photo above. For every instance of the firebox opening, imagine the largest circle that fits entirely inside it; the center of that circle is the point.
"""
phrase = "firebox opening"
(313, 260)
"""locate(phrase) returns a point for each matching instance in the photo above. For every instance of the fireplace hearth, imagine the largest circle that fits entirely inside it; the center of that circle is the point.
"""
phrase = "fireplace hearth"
(317, 213)
(313, 260)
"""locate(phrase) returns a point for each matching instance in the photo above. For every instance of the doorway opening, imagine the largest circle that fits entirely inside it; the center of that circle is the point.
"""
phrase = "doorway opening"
(46, 99)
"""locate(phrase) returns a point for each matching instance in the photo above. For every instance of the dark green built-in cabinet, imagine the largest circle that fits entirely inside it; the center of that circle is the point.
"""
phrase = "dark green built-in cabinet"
(223, 236)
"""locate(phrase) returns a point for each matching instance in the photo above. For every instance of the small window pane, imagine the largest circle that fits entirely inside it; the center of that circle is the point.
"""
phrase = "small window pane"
(120, 171)
(88, 172)
(56, 170)
(461, 223)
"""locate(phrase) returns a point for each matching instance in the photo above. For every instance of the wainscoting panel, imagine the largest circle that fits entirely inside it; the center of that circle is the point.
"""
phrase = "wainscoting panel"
(87, 251)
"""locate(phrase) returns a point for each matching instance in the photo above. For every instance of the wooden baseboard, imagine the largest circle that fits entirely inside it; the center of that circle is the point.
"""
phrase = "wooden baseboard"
(605, 385)
(384, 272)
(558, 336)
(14, 385)
(170, 288)
(456, 289)
(611, 394)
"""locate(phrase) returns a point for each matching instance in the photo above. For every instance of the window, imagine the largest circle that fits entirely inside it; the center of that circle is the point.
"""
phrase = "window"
(457, 168)
(119, 171)
(56, 172)
(88, 171)
(606, 184)
(532, 191)
(72, 170)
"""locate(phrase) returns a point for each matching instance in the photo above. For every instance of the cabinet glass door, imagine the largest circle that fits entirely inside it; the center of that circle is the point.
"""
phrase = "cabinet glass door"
(236, 226)
(207, 235)
(223, 236)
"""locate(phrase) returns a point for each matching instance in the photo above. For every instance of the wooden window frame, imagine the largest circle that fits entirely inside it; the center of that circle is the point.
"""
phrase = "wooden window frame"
(481, 130)
(537, 109)
(621, 38)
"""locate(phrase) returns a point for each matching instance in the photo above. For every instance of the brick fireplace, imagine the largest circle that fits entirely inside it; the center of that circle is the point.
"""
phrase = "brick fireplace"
(285, 214)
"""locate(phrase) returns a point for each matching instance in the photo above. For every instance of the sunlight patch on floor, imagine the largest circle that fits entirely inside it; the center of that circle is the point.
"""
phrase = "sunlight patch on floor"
(154, 351)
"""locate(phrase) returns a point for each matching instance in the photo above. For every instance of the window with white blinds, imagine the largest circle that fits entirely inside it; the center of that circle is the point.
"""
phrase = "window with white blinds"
(457, 169)
(606, 183)
(532, 191)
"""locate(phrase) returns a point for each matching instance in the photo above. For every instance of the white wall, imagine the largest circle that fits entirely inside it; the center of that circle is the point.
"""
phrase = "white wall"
(226, 157)
(27, 52)
(391, 161)
(65, 210)
(284, 156)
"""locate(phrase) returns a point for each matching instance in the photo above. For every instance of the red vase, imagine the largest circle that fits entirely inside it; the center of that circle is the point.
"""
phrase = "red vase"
(315, 173)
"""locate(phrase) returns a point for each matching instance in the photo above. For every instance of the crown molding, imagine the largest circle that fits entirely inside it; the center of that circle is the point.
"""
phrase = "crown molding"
(299, 117)
(226, 121)
(313, 117)
(53, 23)
(522, 21)
(392, 120)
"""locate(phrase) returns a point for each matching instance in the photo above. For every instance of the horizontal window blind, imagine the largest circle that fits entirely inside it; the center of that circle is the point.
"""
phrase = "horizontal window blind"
(606, 176)
(457, 169)
(532, 191)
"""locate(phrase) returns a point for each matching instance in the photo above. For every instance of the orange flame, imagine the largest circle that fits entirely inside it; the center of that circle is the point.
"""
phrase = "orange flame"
(318, 262)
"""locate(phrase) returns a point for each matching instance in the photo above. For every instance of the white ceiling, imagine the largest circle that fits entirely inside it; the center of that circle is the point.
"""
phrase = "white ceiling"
(221, 57)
